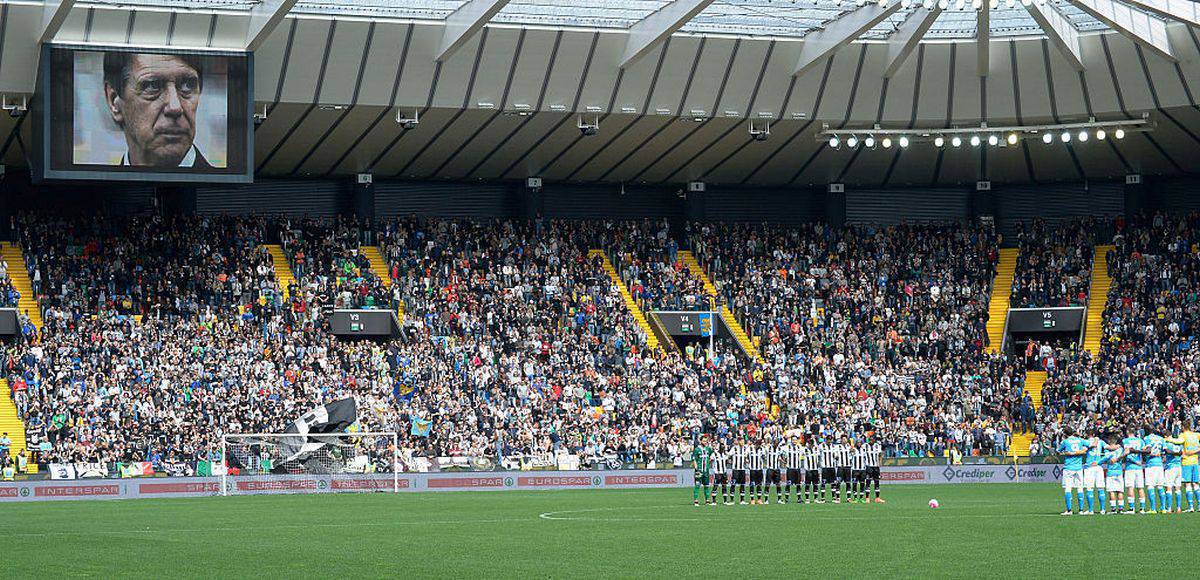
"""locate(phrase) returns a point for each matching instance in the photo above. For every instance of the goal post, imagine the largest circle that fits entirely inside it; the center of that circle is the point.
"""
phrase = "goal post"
(258, 454)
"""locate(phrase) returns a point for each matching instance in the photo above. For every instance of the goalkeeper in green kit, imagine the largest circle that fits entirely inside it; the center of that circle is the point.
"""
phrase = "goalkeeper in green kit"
(702, 464)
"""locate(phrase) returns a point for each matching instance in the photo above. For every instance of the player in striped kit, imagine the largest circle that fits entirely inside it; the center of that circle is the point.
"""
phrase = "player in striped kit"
(754, 467)
(874, 463)
(773, 461)
(739, 456)
(720, 469)
(858, 474)
(828, 469)
(841, 458)
(812, 474)
(793, 458)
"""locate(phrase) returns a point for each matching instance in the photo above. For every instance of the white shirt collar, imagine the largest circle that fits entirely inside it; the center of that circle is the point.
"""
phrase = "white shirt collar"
(188, 160)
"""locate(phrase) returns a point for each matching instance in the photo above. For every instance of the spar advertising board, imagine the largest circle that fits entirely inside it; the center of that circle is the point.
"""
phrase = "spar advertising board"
(48, 490)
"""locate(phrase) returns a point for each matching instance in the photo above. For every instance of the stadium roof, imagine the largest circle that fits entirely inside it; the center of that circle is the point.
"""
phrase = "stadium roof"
(751, 18)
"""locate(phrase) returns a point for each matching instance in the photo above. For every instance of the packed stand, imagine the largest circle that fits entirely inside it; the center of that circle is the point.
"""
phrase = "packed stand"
(329, 269)
(1054, 266)
(153, 266)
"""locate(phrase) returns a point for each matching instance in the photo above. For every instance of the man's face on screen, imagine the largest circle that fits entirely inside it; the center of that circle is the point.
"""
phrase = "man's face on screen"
(156, 107)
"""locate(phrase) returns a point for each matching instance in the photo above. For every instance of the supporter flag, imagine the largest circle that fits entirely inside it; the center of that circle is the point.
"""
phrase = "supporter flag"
(332, 418)
(421, 427)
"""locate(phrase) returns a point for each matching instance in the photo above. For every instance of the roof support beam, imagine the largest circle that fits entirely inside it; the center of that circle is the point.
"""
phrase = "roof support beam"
(54, 13)
(1059, 30)
(264, 18)
(906, 38)
(1185, 11)
(1133, 24)
(840, 32)
(983, 37)
(648, 32)
(463, 23)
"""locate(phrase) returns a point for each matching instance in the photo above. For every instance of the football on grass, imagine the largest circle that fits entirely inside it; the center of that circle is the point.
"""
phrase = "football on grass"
(933, 503)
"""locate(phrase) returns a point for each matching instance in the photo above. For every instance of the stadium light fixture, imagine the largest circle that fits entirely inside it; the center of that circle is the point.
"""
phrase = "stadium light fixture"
(993, 140)
(1120, 134)
(1083, 136)
(1047, 138)
(869, 142)
(834, 142)
(1100, 134)
(887, 143)
(1012, 138)
(903, 141)
(852, 141)
(974, 140)
(956, 141)
(1066, 136)
(939, 141)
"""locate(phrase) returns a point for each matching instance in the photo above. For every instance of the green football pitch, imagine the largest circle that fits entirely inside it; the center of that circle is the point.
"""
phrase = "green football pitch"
(980, 531)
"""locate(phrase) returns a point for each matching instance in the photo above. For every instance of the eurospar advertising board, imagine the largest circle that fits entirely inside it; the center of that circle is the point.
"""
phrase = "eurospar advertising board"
(468, 481)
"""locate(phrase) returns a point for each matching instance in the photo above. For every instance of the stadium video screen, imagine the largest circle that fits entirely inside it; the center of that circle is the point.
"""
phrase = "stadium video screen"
(146, 115)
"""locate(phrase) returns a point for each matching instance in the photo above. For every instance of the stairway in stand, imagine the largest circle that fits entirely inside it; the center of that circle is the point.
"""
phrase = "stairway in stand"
(19, 274)
(749, 344)
(633, 307)
(1001, 297)
(283, 269)
(1097, 300)
(1020, 444)
(1033, 385)
(380, 268)
(10, 421)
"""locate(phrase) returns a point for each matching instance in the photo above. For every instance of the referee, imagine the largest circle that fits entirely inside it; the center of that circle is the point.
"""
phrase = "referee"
(874, 462)
(828, 469)
(793, 458)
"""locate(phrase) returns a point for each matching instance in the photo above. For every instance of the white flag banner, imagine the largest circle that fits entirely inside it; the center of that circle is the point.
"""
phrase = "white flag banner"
(62, 471)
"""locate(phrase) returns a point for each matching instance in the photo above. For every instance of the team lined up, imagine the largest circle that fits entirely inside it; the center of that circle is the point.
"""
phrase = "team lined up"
(1159, 471)
(833, 470)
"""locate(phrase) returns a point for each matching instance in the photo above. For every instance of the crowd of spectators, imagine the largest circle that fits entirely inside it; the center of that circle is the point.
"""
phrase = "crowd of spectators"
(1054, 266)
(516, 341)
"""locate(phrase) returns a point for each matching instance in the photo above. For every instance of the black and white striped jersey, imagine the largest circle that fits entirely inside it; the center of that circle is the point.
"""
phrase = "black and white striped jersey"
(738, 458)
(754, 459)
(812, 458)
(720, 461)
(858, 458)
(794, 456)
(829, 456)
(875, 455)
(773, 456)
(841, 455)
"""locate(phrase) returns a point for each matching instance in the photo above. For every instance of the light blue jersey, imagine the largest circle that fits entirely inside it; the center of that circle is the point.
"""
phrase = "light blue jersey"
(1152, 447)
(1095, 452)
(1173, 459)
(1133, 453)
(1072, 445)
(1113, 466)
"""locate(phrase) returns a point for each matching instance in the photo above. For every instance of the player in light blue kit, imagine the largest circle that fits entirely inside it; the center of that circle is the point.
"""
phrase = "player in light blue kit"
(1072, 450)
(1173, 475)
(1093, 475)
(1152, 451)
(1135, 478)
(1114, 472)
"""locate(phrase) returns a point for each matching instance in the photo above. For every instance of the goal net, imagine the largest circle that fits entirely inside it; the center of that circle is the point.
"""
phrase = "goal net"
(261, 454)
